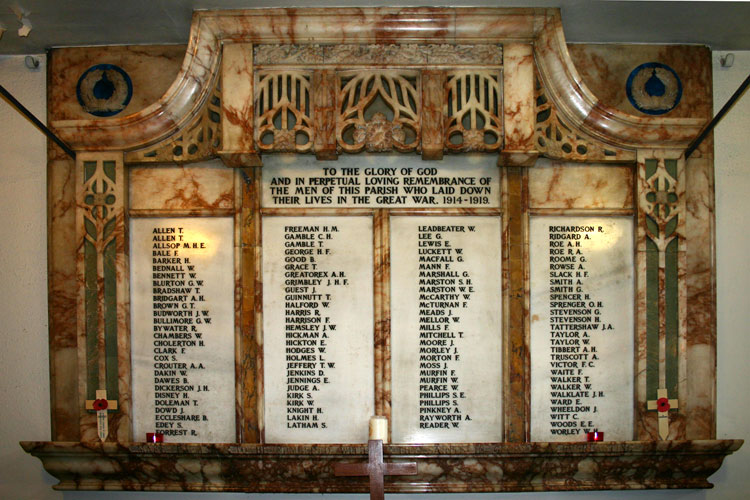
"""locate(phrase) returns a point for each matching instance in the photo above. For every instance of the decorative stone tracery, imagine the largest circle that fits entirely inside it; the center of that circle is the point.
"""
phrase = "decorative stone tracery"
(283, 116)
(474, 103)
(414, 80)
(200, 140)
(379, 111)
(559, 141)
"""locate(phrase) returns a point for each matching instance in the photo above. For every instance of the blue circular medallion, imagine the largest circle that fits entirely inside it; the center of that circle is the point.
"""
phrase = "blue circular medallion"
(654, 88)
(104, 90)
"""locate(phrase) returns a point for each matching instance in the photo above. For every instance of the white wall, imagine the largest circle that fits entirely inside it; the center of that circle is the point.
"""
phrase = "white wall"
(24, 391)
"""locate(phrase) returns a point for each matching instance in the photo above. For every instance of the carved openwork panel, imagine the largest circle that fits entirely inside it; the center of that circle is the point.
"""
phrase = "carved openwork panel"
(660, 201)
(662, 215)
(283, 111)
(473, 120)
(379, 111)
(556, 140)
(396, 240)
(200, 140)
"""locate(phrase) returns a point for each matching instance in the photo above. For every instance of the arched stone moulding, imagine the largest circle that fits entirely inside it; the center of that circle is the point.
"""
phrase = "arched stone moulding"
(532, 41)
(189, 93)
(583, 111)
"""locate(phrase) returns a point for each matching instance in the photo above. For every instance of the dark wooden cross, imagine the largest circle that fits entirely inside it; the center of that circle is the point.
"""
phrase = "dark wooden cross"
(376, 469)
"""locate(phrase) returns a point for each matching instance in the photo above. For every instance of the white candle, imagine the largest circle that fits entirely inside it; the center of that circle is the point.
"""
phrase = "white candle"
(379, 428)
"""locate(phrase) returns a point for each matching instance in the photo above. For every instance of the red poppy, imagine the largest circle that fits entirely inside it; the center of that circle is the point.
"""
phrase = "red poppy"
(662, 404)
(100, 404)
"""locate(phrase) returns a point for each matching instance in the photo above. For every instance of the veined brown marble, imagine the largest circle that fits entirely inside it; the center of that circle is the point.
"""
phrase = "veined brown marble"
(204, 186)
(441, 468)
(250, 346)
(567, 185)
(605, 69)
(585, 111)
(152, 69)
(237, 106)
(700, 403)
(433, 96)
(518, 99)
(580, 85)
(516, 357)
(63, 295)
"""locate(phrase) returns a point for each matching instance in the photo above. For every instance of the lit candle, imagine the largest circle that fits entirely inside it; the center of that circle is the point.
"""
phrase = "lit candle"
(595, 436)
(154, 437)
(379, 428)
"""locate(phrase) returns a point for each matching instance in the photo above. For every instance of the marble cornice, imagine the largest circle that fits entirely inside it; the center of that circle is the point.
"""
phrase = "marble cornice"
(441, 468)
(210, 29)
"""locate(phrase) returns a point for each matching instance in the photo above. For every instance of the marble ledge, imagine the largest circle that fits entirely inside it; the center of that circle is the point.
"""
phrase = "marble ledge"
(490, 467)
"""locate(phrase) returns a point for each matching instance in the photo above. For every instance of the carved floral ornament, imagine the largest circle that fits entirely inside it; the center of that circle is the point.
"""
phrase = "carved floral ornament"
(445, 39)
(362, 82)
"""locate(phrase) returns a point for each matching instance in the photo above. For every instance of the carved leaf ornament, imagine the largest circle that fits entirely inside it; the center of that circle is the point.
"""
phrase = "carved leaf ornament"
(379, 111)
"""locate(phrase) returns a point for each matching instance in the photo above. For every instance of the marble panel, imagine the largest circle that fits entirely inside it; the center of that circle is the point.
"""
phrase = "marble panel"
(63, 293)
(250, 346)
(446, 329)
(605, 69)
(152, 69)
(182, 328)
(392, 181)
(582, 110)
(200, 186)
(237, 99)
(566, 185)
(318, 342)
(518, 98)
(515, 290)
(582, 327)
(700, 403)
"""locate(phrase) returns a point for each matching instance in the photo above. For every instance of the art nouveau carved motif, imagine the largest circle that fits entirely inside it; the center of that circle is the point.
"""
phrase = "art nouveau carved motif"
(100, 229)
(659, 201)
(474, 109)
(558, 141)
(198, 141)
(379, 111)
(410, 80)
(283, 121)
(661, 219)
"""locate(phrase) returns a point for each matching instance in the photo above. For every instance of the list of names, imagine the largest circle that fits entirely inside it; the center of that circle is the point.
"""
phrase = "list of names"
(446, 334)
(581, 327)
(318, 328)
(180, 331)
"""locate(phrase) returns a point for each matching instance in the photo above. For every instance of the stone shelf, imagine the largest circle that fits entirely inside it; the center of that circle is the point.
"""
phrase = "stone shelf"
(492, 467)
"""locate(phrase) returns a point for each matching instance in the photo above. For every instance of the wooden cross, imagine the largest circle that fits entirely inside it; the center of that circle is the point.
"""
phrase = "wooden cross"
(663, 404)
(376, 469)
(101, 405)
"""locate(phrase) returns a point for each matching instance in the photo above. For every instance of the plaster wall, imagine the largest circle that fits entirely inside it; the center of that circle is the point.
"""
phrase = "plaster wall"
(24, 391)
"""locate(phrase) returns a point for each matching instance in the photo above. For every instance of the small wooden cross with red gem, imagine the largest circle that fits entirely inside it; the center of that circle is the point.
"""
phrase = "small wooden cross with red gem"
(662, 405)
(101, 405)
(376, 469)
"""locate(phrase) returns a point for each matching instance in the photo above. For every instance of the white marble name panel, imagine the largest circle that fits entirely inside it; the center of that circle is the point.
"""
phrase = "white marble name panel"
(582, 327)
(318, 329)
(182, 328)
(446, 329)
(387, 181)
